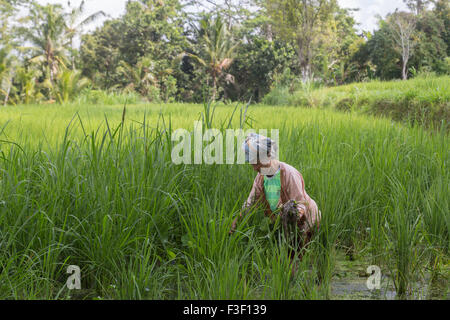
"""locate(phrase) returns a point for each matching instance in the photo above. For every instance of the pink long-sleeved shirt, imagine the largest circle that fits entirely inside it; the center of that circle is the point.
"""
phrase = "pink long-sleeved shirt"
(292, 188)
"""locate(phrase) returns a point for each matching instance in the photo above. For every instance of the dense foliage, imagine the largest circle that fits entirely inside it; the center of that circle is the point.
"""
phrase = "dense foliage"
(244, 49)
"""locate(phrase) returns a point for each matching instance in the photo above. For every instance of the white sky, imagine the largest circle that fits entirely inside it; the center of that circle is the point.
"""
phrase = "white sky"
(366, 16)
(369, 9)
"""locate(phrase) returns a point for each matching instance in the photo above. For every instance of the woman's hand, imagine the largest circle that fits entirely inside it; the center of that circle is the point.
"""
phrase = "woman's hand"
(301, 213)
(244, 210)
(233, 226)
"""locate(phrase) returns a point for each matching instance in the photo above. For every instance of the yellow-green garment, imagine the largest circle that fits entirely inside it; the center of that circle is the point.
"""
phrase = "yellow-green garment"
(272, 188)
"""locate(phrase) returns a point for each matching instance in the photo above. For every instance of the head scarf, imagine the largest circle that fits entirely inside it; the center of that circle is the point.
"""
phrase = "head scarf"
(258, 147)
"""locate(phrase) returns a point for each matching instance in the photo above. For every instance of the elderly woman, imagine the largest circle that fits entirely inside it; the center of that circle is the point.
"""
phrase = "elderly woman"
(278, 186)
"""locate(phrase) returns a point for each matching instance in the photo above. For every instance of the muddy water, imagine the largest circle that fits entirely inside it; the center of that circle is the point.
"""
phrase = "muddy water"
(350, 283)
(357, 289)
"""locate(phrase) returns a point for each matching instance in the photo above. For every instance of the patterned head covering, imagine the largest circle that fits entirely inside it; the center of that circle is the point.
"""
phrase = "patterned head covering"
(258, 147)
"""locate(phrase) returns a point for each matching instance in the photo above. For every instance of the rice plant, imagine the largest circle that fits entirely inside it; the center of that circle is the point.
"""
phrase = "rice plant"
(95, 186)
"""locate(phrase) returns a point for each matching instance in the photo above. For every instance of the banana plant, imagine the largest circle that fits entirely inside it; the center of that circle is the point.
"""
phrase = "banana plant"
(27, 85)
(68, 85)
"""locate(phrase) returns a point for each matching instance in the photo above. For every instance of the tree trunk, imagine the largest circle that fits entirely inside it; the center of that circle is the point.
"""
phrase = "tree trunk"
(269, 33)
(404, 72)
(7, 94)
(304, 59)
(420, 6)
(73, 56)
(214, 88)
(49, 63)
(306, 73)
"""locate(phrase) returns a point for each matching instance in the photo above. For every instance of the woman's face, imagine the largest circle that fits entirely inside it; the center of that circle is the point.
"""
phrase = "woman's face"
(257, 167)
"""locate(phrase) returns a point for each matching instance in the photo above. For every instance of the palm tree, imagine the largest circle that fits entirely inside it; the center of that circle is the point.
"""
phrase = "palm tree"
(7, 58)
(6, 75)
(75, 26)
(51, 33)
(140, 77)
(27, 89)
(47, 37)
(219, 50)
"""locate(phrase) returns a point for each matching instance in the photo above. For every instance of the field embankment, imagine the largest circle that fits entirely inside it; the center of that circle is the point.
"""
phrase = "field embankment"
(423, 100)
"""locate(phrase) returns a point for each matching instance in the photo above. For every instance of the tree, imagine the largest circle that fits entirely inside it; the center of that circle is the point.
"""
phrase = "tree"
(360, 59)
(218, 50)
(16, 2)
(430, 50)
(334, 46)
(403, 26)
(442, 11)
(100, 54)
(75, 26)
(6, 45)
(6, 11)
(155, 28)
(429, 39)
(233, 12)
(260, 58)
(141, 77)
(298, 20)
(47, 37)
(6, 75)
(417, 6)
(149, 29)
(380, 52)
(26, 86)
(256, 65)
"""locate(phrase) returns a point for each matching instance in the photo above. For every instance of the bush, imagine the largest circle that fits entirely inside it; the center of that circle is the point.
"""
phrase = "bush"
(278, 96)
(68, 85)
(447, 65)
(415, 112)
(303, 96)
(170, 89)
(90, 96)
(345, 104)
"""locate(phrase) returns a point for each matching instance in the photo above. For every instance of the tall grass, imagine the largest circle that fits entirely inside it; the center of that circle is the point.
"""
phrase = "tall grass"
(90, 96)
(95, 187)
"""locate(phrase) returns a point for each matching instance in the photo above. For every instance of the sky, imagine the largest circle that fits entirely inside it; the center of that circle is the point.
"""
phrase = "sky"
(369, 9)
(366, 16)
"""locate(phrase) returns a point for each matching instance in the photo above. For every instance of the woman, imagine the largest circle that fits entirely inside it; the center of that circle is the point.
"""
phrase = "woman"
(277, 185)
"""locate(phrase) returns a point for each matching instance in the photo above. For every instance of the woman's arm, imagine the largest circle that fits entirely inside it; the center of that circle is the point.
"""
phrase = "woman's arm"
(253, 198)
(295, 190)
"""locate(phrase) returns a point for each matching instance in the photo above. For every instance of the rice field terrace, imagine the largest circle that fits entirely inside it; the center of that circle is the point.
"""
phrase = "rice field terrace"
(94, 186)
(424, 100)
